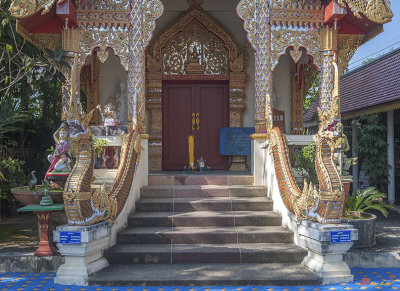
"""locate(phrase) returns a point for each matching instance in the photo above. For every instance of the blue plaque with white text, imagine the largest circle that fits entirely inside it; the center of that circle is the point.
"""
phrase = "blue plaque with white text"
(340, 236)
(70, 237)
(235, 141)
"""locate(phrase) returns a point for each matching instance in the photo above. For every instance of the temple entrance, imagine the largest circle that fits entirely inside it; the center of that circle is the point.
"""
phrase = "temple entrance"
(197, 108)
(204, 71)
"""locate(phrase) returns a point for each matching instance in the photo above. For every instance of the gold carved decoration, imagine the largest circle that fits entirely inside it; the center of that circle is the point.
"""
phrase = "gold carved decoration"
(153, 9)
(116, 38)
(25, 8)
(204, 19)
(296, 39)
(375, 10)
(246, 10)
(102, 18)
(195, 45)
(347, 46)
(105, 5)
(297, 13)
(40, 40)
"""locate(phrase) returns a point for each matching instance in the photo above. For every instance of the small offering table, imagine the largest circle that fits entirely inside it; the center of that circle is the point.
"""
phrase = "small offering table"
(43, 213)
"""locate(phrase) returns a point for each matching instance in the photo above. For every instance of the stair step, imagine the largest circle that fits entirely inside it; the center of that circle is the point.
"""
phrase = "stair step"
(205, 275)
(205, 218)
(206, 253)
(205, 235)
(204, 204)
(157, 180)
(198, 191)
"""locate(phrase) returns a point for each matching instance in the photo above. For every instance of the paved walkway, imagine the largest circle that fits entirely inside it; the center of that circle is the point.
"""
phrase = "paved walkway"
(365, 279)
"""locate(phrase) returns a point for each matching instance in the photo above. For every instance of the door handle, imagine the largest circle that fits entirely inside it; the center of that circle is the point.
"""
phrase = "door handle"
(198, 121)
(193, 122)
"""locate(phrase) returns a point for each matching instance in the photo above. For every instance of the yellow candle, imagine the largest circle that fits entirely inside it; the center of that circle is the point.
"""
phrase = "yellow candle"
(191, 151)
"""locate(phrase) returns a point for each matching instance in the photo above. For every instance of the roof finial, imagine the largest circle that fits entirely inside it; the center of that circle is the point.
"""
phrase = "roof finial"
(195, 3)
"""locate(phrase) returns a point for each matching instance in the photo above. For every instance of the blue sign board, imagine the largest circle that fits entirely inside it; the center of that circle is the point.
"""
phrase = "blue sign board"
(235, 141)
(338, 237)
(70, 237)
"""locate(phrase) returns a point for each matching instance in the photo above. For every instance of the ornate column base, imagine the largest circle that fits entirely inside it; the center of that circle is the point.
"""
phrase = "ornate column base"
(324, 258)
(84, 259)
(45, 247)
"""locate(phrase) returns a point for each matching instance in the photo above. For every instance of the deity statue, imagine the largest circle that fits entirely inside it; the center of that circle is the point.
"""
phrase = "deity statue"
(123, 105)
(194, 56)
(60, 159)
(110, 112)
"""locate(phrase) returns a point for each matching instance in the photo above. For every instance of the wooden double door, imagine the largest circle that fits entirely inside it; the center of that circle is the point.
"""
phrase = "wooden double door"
(198, 109)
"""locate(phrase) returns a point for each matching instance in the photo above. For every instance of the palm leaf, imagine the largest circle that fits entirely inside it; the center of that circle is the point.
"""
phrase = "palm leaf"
(10, 116)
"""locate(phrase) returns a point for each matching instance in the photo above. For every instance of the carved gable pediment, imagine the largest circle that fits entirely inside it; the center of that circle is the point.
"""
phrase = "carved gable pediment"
(195, 40)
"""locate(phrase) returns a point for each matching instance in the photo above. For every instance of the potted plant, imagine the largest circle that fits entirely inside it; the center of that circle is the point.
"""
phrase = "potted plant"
(356, 215)
(99, 147)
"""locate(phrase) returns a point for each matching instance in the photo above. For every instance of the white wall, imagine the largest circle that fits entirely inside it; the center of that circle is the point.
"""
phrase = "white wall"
(224, 11)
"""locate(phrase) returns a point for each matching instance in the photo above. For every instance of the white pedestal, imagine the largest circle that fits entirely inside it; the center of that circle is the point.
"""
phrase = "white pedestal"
(84, 259)
(324, 258)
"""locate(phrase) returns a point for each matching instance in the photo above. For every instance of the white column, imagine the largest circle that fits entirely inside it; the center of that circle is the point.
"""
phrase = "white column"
(390, 140)
(354, 140)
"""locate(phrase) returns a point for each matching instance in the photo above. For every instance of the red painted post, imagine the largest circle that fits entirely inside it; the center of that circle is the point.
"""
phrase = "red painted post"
(45, 247)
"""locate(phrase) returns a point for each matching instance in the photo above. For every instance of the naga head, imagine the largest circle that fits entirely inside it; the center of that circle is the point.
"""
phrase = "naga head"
(379, 11)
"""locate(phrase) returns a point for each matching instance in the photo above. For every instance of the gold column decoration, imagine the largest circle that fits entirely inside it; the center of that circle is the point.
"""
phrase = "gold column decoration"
(153, 96)
(256, 17)
(93, 96)
(297, 100)
(70, 39)
(142, 19)
(299, 91)
(70, 43)
(328, 39)
(329, 104)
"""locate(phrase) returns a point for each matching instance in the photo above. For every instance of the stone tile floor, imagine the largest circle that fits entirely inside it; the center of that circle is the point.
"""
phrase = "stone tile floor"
(365, 279)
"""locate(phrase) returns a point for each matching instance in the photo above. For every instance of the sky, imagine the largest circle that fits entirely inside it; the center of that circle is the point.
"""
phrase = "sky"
(383, 43)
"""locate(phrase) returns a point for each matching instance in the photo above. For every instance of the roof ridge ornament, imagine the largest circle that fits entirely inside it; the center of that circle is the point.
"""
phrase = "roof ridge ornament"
(375, 10)
(195, 3)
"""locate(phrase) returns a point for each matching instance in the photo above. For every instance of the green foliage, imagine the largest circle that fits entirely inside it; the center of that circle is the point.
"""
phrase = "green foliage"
(14, 174)
(99, 145)
(312, 95)
(369, 198)
(305, 163)
(371, 149)
(30, 96)
(10, 116)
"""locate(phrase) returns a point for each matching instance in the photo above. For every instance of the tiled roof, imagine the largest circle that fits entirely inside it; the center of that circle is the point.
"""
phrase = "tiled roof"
(311, 112)
(371, 86)
(375, 83)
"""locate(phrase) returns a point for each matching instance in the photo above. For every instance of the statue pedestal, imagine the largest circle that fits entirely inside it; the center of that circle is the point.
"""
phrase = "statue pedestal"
(84, 258)
(327, 244)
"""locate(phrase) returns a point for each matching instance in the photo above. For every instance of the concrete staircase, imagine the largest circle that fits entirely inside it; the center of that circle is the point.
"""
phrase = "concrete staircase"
(204, 230)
